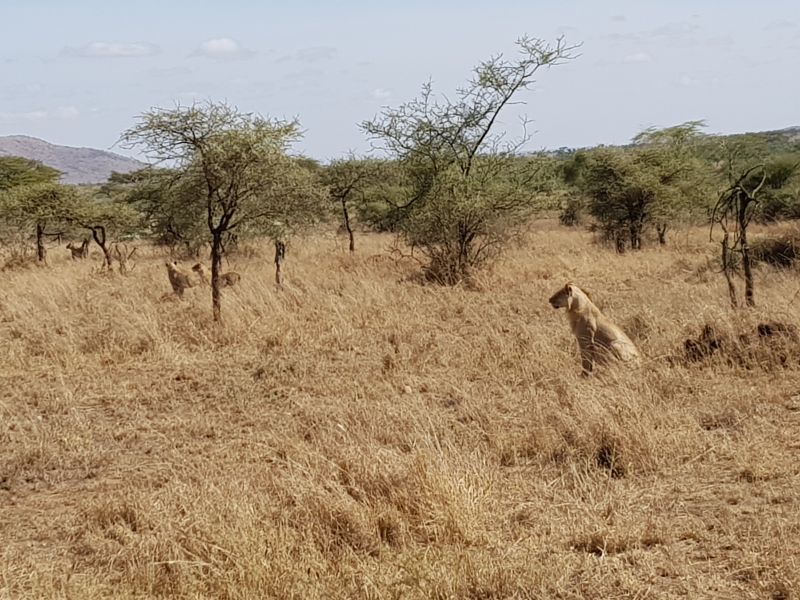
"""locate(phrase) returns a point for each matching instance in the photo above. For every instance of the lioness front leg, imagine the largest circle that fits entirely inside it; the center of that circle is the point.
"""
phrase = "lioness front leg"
(586, 346)
(587, 359)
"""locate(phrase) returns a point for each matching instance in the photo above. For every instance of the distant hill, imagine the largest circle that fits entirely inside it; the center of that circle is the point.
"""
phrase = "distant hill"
(78, 165)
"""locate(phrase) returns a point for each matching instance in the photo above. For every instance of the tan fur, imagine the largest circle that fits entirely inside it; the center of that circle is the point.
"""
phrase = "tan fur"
(225, 279)
(79, 252)
(599, 339)
(178, 279)
(202, 273)
(230, 278)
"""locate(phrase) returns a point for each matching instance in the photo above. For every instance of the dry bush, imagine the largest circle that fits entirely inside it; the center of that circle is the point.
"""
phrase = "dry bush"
(359, 436)
(766, 345)
(777, 245)
(778, 251)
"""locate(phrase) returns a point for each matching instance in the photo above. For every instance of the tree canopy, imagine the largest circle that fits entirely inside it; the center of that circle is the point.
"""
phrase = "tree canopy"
(231, 168)
(17, 171)
(653, 183)
(465, 187)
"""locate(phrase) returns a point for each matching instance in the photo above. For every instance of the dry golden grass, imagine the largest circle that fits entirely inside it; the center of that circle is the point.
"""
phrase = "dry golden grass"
(357, 435)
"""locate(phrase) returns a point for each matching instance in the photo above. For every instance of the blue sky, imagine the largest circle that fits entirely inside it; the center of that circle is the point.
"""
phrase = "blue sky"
(78, 72)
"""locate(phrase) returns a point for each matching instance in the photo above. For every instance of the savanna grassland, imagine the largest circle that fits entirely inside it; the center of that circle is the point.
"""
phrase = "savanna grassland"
(359, 435)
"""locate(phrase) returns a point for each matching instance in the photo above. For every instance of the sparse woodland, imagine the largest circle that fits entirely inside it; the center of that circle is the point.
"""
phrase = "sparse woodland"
(384, 405)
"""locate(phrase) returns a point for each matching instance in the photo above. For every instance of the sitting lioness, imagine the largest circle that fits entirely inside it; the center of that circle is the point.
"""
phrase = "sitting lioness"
(598, 338)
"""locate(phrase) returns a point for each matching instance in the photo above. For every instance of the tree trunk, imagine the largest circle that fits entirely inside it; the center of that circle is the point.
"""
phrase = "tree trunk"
(41, 251)
(280, 255)
(726, 269)
(636, 237)
(348, 227)
(662, 234)
(216, 267)
(747, 264)
(99, 235)
(620, 243)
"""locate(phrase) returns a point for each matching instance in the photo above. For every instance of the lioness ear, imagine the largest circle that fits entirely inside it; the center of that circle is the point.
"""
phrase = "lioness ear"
(568, 289)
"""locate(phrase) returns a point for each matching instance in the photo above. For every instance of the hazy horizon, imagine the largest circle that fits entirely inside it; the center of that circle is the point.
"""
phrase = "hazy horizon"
(79, 75)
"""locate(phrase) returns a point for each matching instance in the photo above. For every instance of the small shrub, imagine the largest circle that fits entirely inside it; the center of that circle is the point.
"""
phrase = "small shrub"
(779, 251)
(572, 212)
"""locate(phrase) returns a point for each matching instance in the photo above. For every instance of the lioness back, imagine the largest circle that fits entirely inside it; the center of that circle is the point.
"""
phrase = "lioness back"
(611, 337)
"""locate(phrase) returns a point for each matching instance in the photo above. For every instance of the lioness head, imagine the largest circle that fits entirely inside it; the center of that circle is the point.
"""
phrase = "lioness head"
(570, 297)
(563, 297)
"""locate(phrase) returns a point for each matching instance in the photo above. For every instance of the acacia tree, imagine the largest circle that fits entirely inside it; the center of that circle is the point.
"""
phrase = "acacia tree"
(732, 213)
(234, 166)
(166, 204)
(46, 209)
(347, 180)
(622, 192)
(652, 184)
(466, 189)
(672, 152)
(16, 171)
(780, 196)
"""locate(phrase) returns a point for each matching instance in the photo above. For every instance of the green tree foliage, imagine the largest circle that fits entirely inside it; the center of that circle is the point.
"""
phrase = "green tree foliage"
(377, 206)
(655, 183)
(780, 196)
(778, 153)
(165, 200)
(672, 153)
(109, 221)
(570, 168)
(16, 171)
(231, 167)
(348, 181)
(466, 190)
(40, 209)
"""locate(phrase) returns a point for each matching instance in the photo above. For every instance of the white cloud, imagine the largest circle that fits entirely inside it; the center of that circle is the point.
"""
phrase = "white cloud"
(223, 49)
(190, 97)
(637, 57)
(311, 55)
(169, 72)
(780, 26)
(704, 79)
(111, 50)
(683, 34)
(381, 94)
(624, 37)
(677, 29)
(619, 18)
(566, 30)
(65, 112)
(62, 113)
(630, 59)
